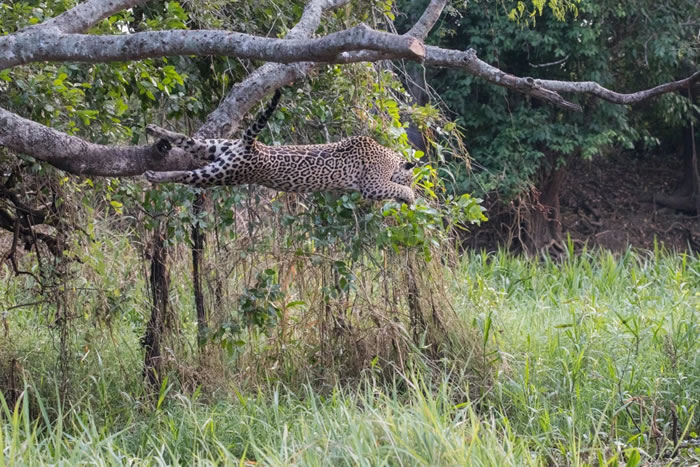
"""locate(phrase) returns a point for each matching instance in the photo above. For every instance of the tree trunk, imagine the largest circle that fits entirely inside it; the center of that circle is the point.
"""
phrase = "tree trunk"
(417, 321)
(11, 381)
(686, 196)
(542, 223)
(197, 252)
(159, 281)
(695, 169)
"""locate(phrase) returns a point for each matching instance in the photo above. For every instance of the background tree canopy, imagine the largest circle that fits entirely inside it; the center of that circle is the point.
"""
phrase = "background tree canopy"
(521, 146)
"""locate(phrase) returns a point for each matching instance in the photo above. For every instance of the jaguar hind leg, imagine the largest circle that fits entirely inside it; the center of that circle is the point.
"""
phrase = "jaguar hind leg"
(220, 172)
(181, 176)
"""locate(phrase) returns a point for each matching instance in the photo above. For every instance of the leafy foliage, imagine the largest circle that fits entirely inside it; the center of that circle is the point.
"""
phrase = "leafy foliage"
(618, 45)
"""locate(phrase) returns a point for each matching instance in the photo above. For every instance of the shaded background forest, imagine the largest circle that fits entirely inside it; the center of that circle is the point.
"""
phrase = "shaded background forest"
(611, 176)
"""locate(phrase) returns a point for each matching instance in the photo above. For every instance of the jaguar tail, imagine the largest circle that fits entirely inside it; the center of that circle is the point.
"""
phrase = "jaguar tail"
(260, 122)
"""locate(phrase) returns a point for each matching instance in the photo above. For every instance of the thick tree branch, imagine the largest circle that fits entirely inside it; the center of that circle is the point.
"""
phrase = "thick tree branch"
(545, 89)
(78, 156)
(427, 20)
(38, 45)
(468, 61)
(591, 87)
(87, 14)
(227, 117)
(311, 18)
(223, 121)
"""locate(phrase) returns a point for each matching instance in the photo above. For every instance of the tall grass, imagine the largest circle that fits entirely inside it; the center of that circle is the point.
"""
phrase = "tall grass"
(594, 359)
(363, 425)
(597, 352)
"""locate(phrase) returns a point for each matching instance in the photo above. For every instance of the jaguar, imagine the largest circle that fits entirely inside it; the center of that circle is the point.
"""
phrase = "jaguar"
(357, 163)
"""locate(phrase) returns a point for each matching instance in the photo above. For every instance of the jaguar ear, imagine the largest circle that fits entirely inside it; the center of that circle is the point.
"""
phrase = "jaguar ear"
(409, 165)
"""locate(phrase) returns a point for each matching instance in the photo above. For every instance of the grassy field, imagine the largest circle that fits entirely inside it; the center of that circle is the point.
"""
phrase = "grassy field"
(594, 360)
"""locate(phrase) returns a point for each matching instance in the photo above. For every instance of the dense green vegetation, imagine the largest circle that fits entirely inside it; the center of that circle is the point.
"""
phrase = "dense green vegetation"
(516, 137)
(580, 361)
(521, 146)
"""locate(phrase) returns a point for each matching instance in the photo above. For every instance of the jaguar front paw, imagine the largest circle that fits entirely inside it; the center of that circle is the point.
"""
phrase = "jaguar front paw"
(152, 130)
(152, 176)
